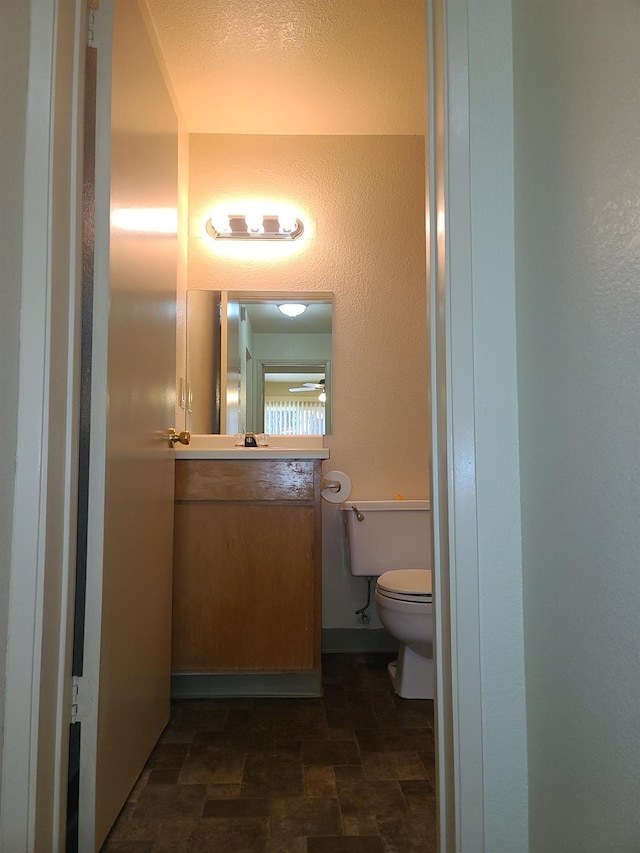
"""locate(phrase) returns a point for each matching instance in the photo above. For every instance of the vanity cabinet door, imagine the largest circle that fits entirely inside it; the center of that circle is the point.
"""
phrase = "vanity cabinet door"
(246, 590)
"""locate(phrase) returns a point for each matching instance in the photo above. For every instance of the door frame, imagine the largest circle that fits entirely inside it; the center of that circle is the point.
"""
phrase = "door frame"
(40, 608)
(38, 686)
(458, 699)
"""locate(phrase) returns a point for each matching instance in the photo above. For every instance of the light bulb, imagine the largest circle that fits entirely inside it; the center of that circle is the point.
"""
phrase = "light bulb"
(222, 223)
(255, 224)
(292, 309)
(287, 223)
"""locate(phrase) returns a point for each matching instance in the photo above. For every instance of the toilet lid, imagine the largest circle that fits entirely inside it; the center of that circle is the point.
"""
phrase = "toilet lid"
(406, 582)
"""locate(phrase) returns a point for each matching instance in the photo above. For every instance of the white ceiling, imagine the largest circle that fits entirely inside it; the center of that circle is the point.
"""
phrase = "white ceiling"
(295, 66)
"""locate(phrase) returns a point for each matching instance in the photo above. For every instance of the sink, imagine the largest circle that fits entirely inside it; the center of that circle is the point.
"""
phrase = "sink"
(279, 447)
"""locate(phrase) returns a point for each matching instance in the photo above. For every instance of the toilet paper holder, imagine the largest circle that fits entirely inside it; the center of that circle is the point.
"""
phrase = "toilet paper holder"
(336, 487)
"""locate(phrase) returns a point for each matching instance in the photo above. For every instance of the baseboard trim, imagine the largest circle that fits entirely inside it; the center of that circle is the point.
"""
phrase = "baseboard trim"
(358, 640)
(211, 685)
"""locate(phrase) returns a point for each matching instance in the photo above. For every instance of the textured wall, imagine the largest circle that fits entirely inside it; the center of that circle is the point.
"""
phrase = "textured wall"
(363, 199)
(296, 66)
(13, 89)
(578, 267)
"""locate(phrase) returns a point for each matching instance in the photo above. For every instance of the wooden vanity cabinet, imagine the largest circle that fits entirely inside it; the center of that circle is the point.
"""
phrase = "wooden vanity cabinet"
(247, 566)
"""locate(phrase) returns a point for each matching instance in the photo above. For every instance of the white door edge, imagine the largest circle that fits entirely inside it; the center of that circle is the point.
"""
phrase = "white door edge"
(103, 22)
(457, 622)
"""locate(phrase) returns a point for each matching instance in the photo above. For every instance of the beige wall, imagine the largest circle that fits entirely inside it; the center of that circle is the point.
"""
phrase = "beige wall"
(362, 198)
(13, 90)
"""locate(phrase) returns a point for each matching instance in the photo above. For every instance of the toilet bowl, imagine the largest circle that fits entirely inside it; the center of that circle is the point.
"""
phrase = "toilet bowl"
(390, 541)
(404, 604)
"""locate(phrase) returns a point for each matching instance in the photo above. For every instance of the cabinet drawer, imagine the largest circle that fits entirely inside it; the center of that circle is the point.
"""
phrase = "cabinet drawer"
(246, 480)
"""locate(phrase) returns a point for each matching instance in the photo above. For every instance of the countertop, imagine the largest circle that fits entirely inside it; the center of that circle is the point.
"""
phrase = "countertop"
(279, 447)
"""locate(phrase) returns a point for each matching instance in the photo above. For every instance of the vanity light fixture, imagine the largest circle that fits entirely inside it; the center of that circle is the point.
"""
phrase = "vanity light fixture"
(253, 226)
(292, 309)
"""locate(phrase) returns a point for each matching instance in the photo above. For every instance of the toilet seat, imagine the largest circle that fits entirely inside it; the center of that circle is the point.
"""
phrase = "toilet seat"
(406, 585)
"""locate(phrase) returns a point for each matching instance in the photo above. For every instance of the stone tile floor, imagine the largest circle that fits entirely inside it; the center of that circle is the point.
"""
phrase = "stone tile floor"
(350, 772)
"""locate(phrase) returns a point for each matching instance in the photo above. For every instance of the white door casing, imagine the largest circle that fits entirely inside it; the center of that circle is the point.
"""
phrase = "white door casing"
(455, 386)
(458, 688)
(474, 402)
(38, 689)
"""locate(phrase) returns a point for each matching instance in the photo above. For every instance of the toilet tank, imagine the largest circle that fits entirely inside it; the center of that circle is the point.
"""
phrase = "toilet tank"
(391, 535)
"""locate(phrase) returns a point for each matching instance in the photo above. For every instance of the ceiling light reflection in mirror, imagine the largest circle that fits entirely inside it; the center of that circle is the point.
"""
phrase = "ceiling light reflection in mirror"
(292, 309)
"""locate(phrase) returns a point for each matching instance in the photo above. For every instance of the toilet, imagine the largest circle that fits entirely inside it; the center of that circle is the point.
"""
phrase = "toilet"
(391, 541)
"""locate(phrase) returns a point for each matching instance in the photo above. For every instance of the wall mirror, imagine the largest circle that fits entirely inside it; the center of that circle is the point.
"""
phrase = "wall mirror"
(253, 368)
